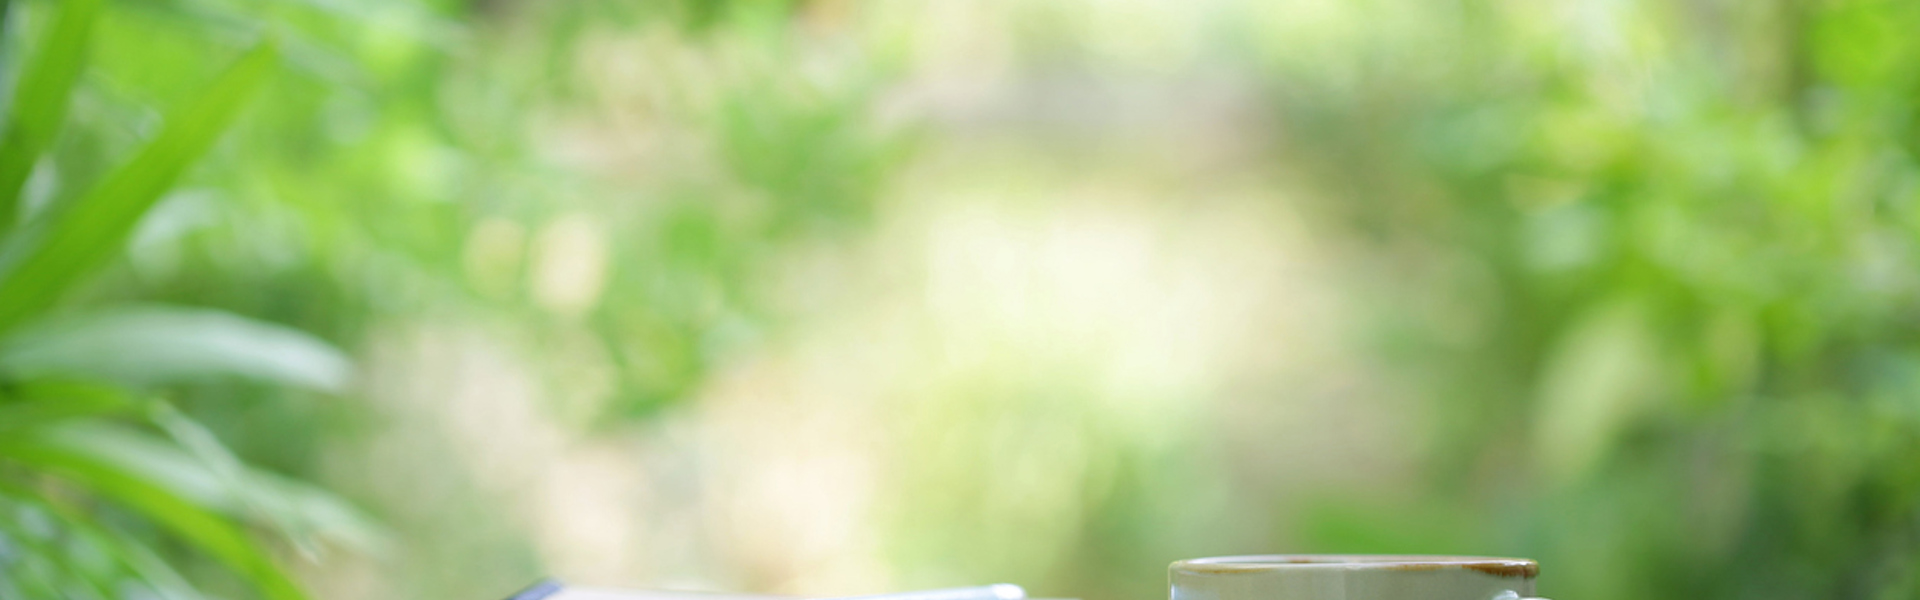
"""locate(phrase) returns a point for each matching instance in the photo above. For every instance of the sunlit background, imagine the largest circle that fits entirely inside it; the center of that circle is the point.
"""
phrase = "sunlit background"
(428, 300)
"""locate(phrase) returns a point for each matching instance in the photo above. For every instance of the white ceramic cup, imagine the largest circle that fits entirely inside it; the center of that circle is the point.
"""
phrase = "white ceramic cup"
(1352, 577)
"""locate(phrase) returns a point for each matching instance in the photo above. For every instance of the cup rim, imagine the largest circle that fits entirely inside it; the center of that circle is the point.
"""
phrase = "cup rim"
(1263, 563)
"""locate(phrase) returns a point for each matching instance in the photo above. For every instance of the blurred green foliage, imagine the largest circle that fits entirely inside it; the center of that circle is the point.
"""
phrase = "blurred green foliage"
(1659, 283)
(1637, 274)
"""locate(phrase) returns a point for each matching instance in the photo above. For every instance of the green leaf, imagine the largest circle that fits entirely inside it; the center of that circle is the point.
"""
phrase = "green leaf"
(206, 474)
(37, 404)
(159, 344)
(299, 511)
(205, 530)
(40, 101)
(49, 544)
(152, 570)
(48, 257)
